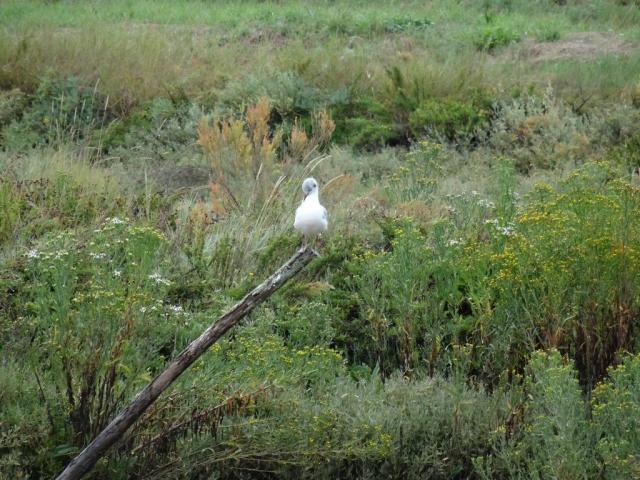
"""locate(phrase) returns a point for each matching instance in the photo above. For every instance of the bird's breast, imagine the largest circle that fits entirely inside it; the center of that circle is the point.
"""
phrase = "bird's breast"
(310, 219)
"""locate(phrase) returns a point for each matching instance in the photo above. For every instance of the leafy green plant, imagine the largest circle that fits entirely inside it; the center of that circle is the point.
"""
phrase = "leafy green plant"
(64, 197)
(370, 128)
(449, 118)
(374, 121)
(401, 321)
(594, 275)
(12, 104)
(551, 436)
(59, 111)
(10, 205)
(335, 429)
(289, 94)
(415, 177)
(494, 37)
(542, 131)
(548, 35)
(615, 413)
(402, 24)
(88, 306)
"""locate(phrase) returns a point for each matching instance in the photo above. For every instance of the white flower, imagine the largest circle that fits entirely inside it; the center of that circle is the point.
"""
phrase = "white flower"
(176, 309)
(116, 221)
(506, 230)
(117, 273)
(33, 253)
(143, 309)
(453, 241)
(157, 278)
(486, 203)
(98, 256)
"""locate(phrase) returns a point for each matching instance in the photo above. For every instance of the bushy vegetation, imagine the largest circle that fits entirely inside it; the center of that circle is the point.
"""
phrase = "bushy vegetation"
(472, 313)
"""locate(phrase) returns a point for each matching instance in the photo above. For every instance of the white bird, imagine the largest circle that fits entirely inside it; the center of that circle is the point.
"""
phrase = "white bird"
(311, 218)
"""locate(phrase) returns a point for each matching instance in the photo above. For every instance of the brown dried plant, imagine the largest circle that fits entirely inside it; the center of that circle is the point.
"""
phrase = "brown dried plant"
(258, 121)
(240, 146)
(323, 127)
(197, 223)
(245, 149)
(299, 141)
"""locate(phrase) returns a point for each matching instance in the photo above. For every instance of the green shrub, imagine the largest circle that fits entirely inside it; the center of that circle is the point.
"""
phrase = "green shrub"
(289, 94)
(372, 121)
(309, 322)
(539, 132)
(555, 440)
(406, 23)
(414, 179)
(575, 255)
(92, 326)
(616, 420)
(369, 134)
(10, 206)
(448, 118)
(559, 275)
(405, 109)
(396, 429)
(627, 154)
(551, 439)
(556, 273)
(26, 437)
(162, 130)
(12, 104)
(404, 302)
(494, 37)
(61, 110)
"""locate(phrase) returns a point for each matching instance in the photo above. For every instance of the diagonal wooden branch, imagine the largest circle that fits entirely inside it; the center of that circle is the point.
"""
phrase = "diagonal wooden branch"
(119, 425)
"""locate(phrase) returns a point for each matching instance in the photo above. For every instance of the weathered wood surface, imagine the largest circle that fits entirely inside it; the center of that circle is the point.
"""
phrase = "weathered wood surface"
(119, 425)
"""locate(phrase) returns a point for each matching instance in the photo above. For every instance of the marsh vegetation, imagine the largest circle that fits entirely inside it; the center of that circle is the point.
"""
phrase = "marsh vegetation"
(474, 311)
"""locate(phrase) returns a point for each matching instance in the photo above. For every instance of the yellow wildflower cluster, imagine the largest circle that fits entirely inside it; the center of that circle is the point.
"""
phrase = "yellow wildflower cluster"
(270, 356)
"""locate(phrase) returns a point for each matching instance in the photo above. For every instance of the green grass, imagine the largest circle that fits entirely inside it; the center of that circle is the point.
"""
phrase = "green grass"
(472, 312)
(139, 50)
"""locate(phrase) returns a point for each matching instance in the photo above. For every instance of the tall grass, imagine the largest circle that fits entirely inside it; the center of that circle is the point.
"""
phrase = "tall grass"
(138, 51)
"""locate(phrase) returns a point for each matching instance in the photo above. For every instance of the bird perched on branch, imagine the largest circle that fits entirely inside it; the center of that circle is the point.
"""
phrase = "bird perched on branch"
(311, 218)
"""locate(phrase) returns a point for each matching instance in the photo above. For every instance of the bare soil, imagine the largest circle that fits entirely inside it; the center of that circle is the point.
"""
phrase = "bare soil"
(577, 46)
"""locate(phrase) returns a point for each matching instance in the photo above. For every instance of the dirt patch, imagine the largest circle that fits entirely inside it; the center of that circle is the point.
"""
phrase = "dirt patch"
(577, 46)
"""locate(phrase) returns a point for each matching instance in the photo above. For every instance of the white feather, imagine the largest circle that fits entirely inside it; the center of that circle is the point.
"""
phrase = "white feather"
(311, 217)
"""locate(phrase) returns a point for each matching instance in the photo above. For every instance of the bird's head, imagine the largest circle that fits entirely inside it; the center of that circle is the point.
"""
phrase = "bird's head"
(309, 186)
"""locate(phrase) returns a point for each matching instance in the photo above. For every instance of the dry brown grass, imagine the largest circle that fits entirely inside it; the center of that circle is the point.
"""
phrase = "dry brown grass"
(248, 148)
